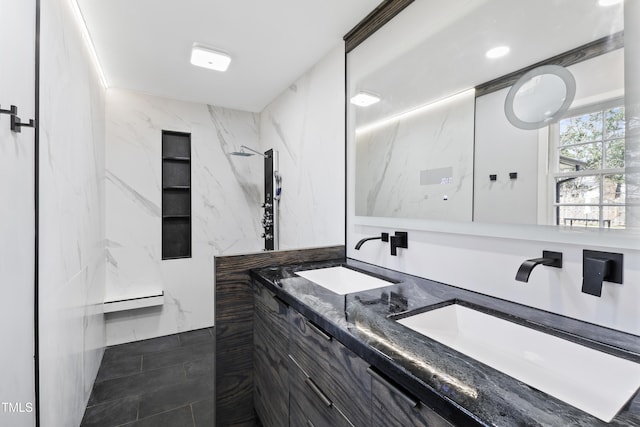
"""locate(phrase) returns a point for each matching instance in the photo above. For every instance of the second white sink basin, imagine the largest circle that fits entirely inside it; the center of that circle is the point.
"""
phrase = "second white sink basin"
(595, 382)
(342, 280)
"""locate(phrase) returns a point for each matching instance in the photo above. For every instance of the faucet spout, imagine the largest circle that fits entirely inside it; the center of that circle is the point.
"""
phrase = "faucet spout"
(383, 236)
(551, 259)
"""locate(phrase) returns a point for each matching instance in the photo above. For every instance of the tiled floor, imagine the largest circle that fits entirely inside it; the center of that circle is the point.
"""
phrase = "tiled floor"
(161, 382)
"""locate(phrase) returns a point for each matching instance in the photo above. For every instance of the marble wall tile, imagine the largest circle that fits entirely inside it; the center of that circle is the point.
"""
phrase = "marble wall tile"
(17, 215)
(420, 166)
(72, 218)
(226, 197)
(306, 125)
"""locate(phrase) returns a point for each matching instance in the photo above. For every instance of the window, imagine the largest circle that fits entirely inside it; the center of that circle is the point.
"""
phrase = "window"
(589, 158)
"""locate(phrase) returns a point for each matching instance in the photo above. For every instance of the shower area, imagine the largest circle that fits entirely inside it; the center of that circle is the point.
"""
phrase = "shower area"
(271, 192)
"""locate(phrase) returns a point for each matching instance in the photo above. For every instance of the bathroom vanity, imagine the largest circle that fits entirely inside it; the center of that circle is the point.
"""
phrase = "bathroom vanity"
(326, 358)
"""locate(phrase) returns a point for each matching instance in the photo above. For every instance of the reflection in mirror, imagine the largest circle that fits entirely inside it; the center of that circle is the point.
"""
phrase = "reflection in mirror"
(543, 157)
(443, 127)
(540, 96)
(419, 163)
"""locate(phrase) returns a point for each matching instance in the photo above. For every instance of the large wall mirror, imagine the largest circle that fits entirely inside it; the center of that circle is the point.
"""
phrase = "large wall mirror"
(496, 112)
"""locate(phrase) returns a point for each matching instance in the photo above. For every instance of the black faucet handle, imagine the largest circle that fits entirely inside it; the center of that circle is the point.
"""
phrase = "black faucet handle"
(598, 267)
(399, 240)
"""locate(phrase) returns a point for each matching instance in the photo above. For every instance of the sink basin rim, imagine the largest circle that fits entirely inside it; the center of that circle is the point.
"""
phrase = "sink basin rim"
(352, 279)
(532, 355)
(560, 333)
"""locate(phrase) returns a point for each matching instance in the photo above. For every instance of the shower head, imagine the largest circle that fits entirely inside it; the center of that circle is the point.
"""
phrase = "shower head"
(243, 153)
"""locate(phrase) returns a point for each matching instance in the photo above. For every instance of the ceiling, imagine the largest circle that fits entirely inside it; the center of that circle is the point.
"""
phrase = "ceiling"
(145, 45)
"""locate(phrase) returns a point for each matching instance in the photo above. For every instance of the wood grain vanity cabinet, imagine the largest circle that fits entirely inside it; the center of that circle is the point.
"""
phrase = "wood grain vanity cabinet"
(270, 358)
(304, 377)
(338, 372)
(309, 405)
(394, 406)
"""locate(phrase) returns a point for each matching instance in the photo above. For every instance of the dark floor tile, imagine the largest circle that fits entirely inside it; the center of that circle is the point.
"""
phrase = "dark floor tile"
(119, 367)
(195, 337)
(141, 347)
(136, 384)
(112, 413)
(176, 356)
(203, 413)
(176, 396)
(181, 417)
(200, 368)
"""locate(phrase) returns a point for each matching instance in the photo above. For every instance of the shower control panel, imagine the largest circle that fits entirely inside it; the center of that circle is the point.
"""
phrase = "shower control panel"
(267, 216)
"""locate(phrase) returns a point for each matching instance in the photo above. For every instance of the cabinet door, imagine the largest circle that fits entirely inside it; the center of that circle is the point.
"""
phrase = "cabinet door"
(271, 363)
(310, 405)
(393, 406)
(335, 369)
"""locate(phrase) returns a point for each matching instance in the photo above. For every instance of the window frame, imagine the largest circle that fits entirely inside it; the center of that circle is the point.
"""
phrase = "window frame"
(600, 173)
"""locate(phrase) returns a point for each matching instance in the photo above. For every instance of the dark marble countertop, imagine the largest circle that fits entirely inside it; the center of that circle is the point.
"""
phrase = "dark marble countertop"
(461, 389)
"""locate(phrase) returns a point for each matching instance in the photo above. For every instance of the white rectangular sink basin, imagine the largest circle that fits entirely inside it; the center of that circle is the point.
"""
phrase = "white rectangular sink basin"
(342, 280)
(595, 382)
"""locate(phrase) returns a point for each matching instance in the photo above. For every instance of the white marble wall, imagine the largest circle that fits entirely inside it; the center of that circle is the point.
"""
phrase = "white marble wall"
(419, 166)
(17, 19)
(72, 259)
(226, 197)
(306, 125)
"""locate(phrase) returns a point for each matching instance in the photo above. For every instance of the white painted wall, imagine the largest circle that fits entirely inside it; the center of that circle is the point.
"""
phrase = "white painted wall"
(72, 206)
(17, 215)
(501, 148)
(489, 265)
(306, 125)
(226, 197)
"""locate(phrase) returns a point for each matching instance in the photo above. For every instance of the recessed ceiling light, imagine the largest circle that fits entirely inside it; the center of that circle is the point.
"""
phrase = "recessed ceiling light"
(209, 58)
(608, 2)
(497, 52)
(363, 99)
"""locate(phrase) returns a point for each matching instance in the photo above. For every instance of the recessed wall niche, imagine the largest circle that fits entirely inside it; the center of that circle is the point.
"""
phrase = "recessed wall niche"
(176, 195)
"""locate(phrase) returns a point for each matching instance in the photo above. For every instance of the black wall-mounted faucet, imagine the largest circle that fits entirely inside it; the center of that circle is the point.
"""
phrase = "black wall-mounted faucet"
(383, 236)
(399, 240)
(549, 258)
(598, 267)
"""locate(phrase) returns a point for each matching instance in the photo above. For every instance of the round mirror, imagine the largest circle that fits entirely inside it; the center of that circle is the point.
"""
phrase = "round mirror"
(540, 96)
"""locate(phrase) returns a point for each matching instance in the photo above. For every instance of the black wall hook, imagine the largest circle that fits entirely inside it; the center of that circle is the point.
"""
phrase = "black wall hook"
(13, 110)
(16, 124)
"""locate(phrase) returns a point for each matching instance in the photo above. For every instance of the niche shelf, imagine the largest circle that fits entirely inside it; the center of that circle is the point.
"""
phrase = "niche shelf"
(176, 195)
